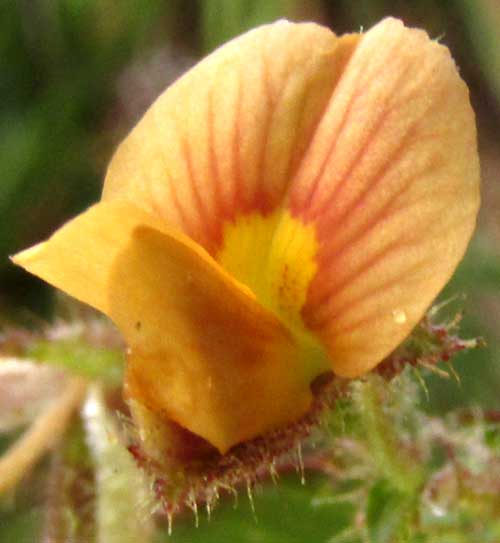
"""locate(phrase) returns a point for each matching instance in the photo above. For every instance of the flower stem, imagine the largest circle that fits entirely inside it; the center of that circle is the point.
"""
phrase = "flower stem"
(123, 503)
(389, 456)
(69, 495)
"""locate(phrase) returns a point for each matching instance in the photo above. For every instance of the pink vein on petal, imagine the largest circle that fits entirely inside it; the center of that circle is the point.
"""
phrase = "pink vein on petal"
(270, 109)
(205, 230)
(333, 252)
(324, 316)
(306, 203)
(219, 210)
(323, 322)
(236, 143)
(369, 141)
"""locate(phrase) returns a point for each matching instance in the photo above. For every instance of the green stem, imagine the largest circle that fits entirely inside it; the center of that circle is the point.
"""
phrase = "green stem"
(389, 456)
(69, 515)
(123, 503)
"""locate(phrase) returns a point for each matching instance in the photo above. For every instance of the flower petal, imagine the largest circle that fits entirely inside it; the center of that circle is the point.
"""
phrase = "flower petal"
(226, 138)
(391, 183)
(227, 369)
(79, 256)
(203, 352)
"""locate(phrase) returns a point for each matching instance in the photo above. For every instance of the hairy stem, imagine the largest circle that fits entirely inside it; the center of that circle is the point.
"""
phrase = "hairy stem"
(390, 457)
(123, 503)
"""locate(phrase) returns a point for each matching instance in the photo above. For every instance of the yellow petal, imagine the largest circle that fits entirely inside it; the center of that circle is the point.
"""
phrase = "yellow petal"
(203, 352)
(391, 183)
(79, 256)
(226, 138)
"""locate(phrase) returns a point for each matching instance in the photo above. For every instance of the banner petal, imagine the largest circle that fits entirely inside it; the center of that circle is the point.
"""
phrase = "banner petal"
(225, 139)
(391, 183)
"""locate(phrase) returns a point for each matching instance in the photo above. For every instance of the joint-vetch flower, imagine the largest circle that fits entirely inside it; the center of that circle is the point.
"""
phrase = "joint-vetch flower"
(289, 207)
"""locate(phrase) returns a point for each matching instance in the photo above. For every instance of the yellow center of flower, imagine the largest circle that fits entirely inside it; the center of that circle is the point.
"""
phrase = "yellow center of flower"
(275, 256)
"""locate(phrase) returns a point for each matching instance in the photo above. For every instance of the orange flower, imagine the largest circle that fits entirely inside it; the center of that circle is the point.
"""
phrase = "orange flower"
(289, 207)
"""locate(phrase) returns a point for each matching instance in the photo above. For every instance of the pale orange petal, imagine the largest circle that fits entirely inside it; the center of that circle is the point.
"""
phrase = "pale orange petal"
(226, 138)
(203, 352)
(391, 182)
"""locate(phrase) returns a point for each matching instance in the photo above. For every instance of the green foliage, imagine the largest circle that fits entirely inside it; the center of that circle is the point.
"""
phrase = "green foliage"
(482, 19)
(21, 527)
(80, 358)
(222, 20)
(387, 513)
(59, 62)
(478, 278)
(284, 513)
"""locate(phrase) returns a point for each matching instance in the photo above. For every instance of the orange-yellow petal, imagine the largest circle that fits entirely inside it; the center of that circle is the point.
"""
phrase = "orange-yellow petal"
(391, 183)
(78, 257)
(203, 351)
(227, 137)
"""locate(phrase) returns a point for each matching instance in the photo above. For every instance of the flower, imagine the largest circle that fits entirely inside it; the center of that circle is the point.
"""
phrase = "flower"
(289, 207)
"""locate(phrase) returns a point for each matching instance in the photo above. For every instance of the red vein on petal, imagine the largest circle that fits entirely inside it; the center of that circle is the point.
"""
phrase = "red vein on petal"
(184, 220)
(422, 235)
(324, 315)
(236, 142)
(218, 212)
(378, 175)
(296, 158)
(332, 252)
(370, 139)
(296, 208)
(154, 205)
(367, 266)
(329, 254)
(271, 104)
(306, 203)
(377, 313)
(280, 198)
(205, 224)
(364, 268)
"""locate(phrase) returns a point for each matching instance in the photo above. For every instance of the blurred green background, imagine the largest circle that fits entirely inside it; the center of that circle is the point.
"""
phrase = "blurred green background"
(76, 75)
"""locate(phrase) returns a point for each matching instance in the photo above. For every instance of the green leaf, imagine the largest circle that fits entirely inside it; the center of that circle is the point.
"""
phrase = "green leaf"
(286, 513)
(20, 527)
(386, 513)
(82, 359)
